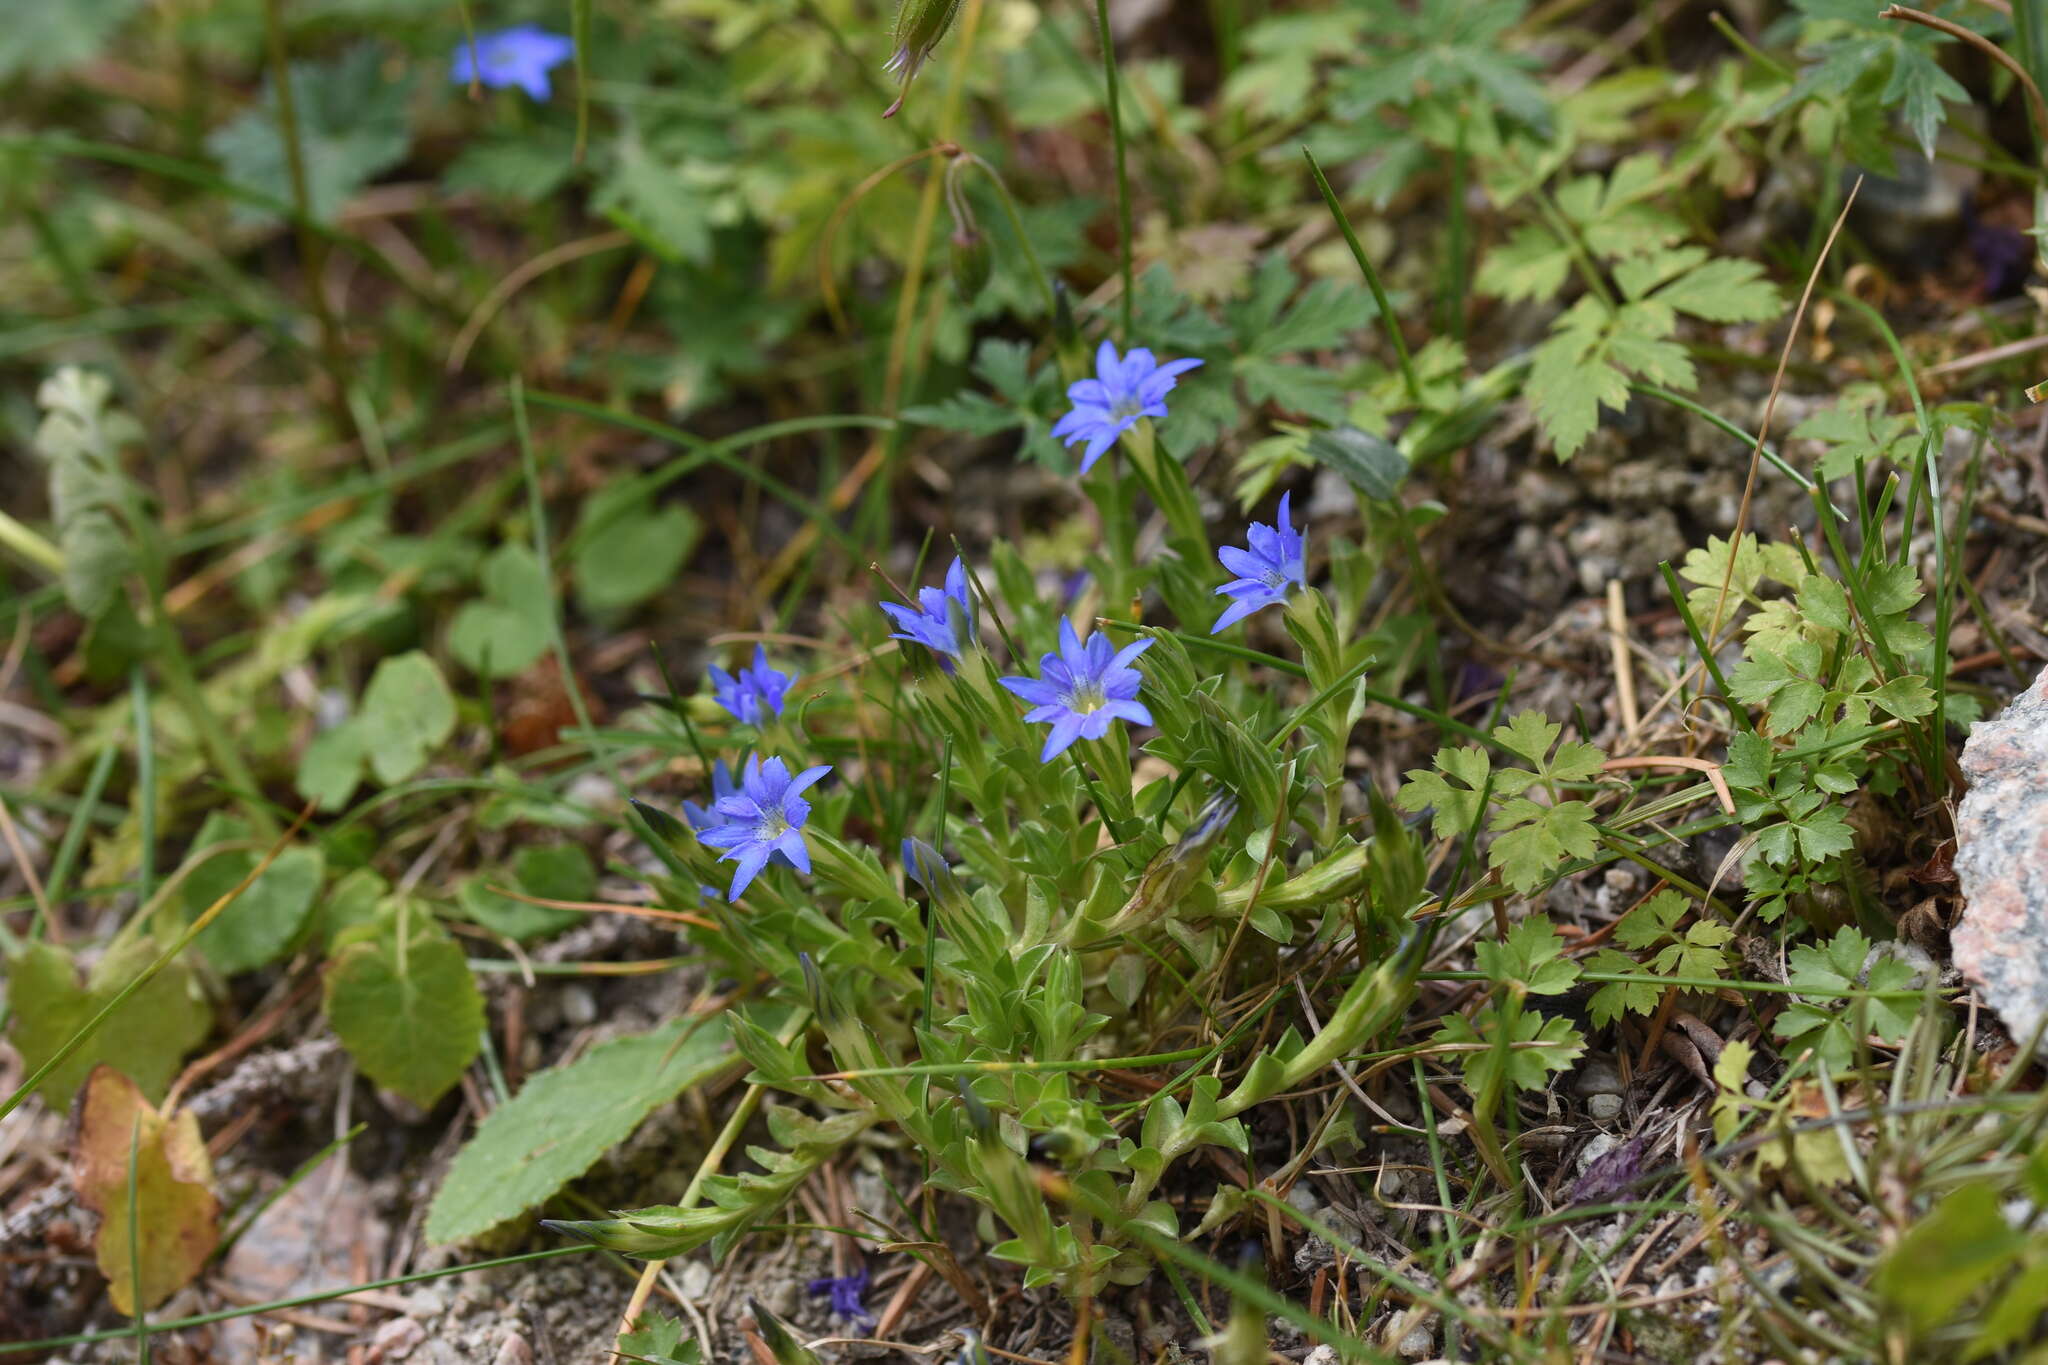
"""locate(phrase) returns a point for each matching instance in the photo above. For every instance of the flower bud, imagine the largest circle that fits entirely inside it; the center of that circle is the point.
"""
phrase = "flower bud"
(1065, 334)
(971, 263)
(919, 26)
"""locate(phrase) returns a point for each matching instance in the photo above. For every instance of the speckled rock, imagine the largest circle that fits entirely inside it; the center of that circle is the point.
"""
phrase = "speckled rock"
(2001, 944)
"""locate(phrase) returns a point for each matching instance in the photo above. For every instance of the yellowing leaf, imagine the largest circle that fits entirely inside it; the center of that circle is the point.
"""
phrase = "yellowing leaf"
(147, 1037)
(125, 1149)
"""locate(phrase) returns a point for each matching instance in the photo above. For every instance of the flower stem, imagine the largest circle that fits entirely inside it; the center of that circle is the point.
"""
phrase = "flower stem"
(1123, 178)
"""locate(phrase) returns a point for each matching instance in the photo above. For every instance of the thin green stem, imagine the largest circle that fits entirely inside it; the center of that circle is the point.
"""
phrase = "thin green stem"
(1390, 323)
(1125, 243)
(312, 246)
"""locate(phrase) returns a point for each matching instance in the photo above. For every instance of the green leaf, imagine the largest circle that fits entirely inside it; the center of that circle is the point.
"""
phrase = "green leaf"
(1571, 379)
(1617, 998)
(352, 127)
(1652, 922)
(407, 713)
(656, 1340)
(258, 925)
(558, 872)
(1943, 1260)
(145, 1039)
(1532, 954)
(401, 998)
(1530, 266)
(1701, 953)
(1532, 840)
(668, 196)
(508, 630)
(1374, 466)
(527, 165)
(1525, 1067)
(1457, 808)
(331, 766)
(1907, 698)
(565, 1118)
(46, 39)
(1724, 289)
(1528, 733)
(627, 552)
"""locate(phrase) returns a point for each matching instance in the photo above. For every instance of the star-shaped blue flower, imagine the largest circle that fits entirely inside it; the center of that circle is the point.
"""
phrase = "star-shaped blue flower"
(1264, 572)
(1123, 390)
(703, 818)
(765, 817)
(520, 57)
(756, 694)
(942, 621)
(1083, 688)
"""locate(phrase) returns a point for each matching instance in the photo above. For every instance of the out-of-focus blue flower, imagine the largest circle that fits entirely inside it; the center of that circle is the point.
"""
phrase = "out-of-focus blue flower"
(943, 621)
(1264, 572)
(520, 56)
(1123, 390)
(756, 694)
(1083, 688)
(763, 818)
(846, 1292)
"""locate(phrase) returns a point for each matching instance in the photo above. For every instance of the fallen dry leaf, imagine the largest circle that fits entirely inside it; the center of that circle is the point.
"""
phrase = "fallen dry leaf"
(176, 1216)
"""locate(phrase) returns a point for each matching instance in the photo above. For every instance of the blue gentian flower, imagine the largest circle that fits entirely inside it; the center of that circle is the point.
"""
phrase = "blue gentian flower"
(763, 818)
(1082, 688)
(846, 1292)
(942, 621)
(756, 694)
(1264, 572)
(1123, 390)
(520, 56)
(703, 818)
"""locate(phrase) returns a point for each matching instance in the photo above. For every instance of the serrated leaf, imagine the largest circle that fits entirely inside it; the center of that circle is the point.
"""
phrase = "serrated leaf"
(145, 1039)
(1725, 289)
(564, 1119)
(659, 1340)
(1653, 921)
(1457, 808)
(124, 1148)
(1528, 733)
(1532, 954)
(1570, 380)
(1532, 840)
(352, 127)
(46, 39)
(1617, 998)
(401, 998)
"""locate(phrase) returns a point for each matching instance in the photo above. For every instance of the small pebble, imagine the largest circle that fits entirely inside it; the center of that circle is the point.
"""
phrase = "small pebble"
(1597, 1076)
(1417, 1344)
(395, 1339)
(579, 1006)
(1604, 1108)
(515, 1351)
(1598, 1146)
